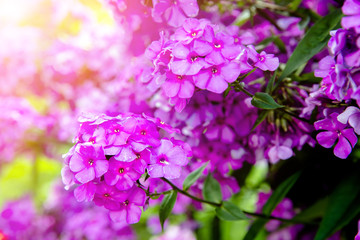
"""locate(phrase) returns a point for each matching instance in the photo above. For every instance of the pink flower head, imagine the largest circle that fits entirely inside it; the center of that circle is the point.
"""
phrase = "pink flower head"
(108, 196)
(121, 174)
(191, 29)
(130, 210)
(174, 12)
(263, 61)
(336, 131)
(216, 78)
(88, 162)
(166, 160)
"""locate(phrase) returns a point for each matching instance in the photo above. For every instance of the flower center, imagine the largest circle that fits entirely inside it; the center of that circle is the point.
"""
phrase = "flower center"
(126, 202)
(91, 162)
(138, 156)
(116, 130)
(163, 160)
(214, 70)
(180, 77)
(106, 195)
(236, 40)
(193, 34)
(261, 58)
(194, 58)
(217, 45)
(121, 170)
(143, 132)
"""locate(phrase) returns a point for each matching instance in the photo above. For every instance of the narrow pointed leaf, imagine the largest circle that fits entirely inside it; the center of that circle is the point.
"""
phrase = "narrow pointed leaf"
(230, 212)
(340, 203)
(192, 177)
(262, 115)
(312, 43)
(212, 190)
(270, 85)
(264, 101)
(166, 207)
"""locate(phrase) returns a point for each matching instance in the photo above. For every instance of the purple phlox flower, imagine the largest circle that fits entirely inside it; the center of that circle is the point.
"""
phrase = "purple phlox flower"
(166, 160)
(319, 6)
(218, 48)
(217, 78)
(186, 60)
(243, 38)
(121, 174)
(119, 132)
(291, 25)
(154, 226)
(146, 132)
(85, 192)
(185, 146)
(336, 131)
(351, 116)
(352, 9)
(138, 159)
(130, 210)
(282, 149)
(221, 129)
(262, 60)
(346, 42)
(181, 86)
(88, 162)
(326, 67)
(108, 196)
(174, 12)
(191, 29)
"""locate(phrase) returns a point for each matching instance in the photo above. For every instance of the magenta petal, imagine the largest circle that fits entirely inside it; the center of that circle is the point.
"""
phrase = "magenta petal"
(230, 71)
(354, 122)
(190, 7)
(118, 216)
(171, 89)
(124, 183)
(186, 90)
(217, 84)
(67, 175)
(344, 116)
(176, 156)
(180, 67)
(85, 175)
(350, 136)
(76, 163)
(180, 51)
(133, 214)
(227, 135)
(351, 7)
(111, 178)
(342, 148)
(271, 64)
(284, 152)
(176, 18)
(202, 48)
(215, 58)
(324, 124)
(165, 146)
(85, 192)
(172, 171)
(126, 155)
(327, 138)
(137, 197)
(156, 171)
(101, 167)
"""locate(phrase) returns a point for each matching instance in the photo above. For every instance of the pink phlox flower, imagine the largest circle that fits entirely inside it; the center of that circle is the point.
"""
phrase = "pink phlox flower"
(167, 160)
(335, 133)
(262, 60)
(108, 196)
(174, 12)
(351, 116)
(352, 9)
(121, 174)
(130, 210)
(146, 132)
(217, 77)
(181, 86)
(88, 162)
(191, 29)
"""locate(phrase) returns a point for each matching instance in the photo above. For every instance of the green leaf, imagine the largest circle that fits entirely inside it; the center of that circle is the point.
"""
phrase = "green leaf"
(212, 190)
(264, 101)
(262, 115)
(166, 207)
(270, 85)
(294, 5)
(230, 212)
(341, 207)
(192, 177)
(275, 198)
(312, 43)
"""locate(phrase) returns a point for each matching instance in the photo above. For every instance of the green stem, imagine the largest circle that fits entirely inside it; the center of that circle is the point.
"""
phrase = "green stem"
(214, 204)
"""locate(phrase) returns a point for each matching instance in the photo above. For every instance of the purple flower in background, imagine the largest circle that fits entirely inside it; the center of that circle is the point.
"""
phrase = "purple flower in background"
(121, 174)
(357, 237)
(88, 162)
(217, 78)
(130, 210)
(336, 131)
(352, 9)
(166, 160)
(174, 12)
(262, 60)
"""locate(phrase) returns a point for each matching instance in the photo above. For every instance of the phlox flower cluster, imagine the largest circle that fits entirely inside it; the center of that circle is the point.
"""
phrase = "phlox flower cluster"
(112, 153)
(201, 56)
(341, 83)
